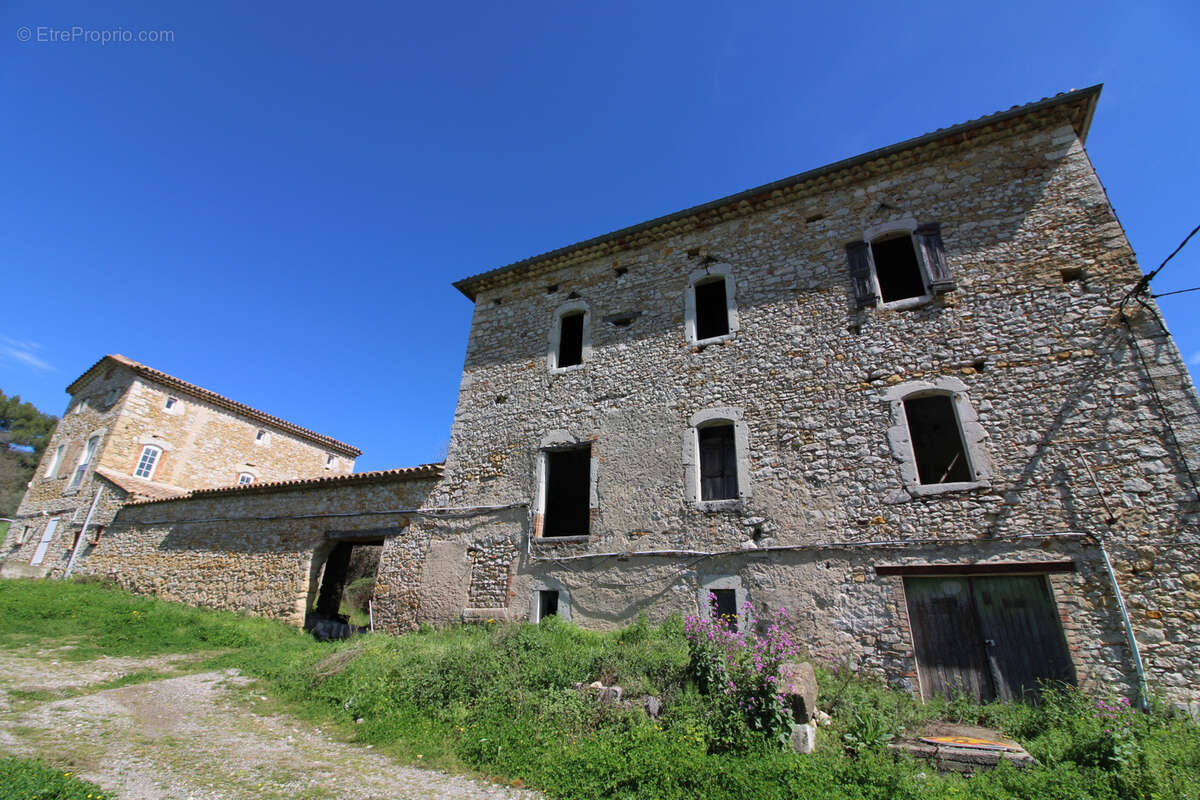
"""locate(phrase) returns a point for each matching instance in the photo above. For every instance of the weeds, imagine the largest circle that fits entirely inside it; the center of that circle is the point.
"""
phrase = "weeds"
(501, 699)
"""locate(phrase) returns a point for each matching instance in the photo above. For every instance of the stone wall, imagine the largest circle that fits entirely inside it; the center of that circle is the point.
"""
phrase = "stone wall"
(1050, 372)
(261, 549)
(203, 446)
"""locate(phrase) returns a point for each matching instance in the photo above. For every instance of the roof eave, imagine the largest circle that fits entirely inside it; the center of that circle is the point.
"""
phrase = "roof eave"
(469, 286)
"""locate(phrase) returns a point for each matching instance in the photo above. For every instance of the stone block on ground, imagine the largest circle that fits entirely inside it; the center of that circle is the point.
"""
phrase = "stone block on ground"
(798, 683)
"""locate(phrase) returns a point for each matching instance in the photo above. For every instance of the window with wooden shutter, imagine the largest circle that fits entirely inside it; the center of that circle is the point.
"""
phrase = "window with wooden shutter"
(718, 462)
(67, 465)
(857, 253)
(928, 238)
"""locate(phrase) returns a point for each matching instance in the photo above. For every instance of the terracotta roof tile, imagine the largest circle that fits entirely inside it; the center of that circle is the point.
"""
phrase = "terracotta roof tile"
(350, 479)
(218, 400)
(139, 488)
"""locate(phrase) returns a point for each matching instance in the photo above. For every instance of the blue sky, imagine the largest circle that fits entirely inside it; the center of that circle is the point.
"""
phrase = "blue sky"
(273, 205)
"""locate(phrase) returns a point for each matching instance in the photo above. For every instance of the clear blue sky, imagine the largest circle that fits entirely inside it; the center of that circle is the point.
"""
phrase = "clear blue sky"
(274, 204)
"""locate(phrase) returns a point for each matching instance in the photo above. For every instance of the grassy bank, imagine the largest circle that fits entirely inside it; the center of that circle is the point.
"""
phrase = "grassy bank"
(498, 699)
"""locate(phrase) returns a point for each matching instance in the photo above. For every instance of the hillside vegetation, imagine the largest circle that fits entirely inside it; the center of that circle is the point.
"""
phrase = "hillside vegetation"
(501, 700)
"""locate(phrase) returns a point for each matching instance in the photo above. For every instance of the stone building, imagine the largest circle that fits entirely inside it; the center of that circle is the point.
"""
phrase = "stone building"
(133, 433)
(917, 398)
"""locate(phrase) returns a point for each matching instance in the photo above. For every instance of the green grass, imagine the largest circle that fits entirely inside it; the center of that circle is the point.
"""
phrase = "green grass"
(499, 699)
(29, 779)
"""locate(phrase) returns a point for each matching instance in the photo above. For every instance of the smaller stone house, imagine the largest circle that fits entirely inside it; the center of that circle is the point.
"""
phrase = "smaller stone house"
(131, 432)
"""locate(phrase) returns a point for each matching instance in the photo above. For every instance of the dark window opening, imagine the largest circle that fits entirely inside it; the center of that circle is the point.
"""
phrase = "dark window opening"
(1071, 274)
(547, 603)
(620, 270)
(712, 313)
(936, 440)
(552, 288)
(570, 340)
(814, 218)
(724, 607)
(568, 486)
(718, 462)
(897, 269)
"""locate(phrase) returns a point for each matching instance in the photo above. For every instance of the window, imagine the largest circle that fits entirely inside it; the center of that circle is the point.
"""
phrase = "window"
(937, 443)
(897, 270)
(262, 437)
(547, 603)
(549, 597)
(712, 319)
(710, 312)
(718, 462)
(56, 460)
(244, 478)
(171, 403)
(331, 462)
(723, 597)
(570, 336)
(570, 340)
(724, 606)
(716, 459)
(899, 263)
(84, 460)
(566, 499)
(148, 461)
(936, 437)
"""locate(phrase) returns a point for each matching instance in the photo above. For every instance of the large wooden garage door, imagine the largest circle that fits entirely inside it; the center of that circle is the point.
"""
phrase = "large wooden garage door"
(987, 638)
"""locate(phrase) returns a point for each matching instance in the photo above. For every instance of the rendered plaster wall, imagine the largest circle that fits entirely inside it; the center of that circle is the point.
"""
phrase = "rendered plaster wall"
(261, 550)
(1046, 365)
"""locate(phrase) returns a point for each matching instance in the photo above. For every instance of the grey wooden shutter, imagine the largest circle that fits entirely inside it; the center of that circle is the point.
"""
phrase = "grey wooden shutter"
(860, 273)
(929, 239)
(68, 464)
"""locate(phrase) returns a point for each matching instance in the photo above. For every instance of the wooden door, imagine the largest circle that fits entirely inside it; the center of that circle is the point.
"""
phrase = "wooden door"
(949, 644)
(44, 542)
(1022, 634)
(986, 637)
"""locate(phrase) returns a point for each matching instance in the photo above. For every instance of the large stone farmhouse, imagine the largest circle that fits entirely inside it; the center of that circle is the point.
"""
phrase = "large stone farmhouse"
(133, 433)
(919, 398)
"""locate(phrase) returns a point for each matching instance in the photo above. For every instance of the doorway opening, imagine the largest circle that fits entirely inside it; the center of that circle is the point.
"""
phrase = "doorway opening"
(342, 602)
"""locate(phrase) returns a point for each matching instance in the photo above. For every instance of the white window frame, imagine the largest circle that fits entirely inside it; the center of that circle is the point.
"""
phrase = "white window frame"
(172, 405)
(56, 460)
(243, 474)
(713, 272)
(691, 458)
(262, 437)
(566, 310)
(155, 453)
(85, 460)
(889, 230)
(973, 435)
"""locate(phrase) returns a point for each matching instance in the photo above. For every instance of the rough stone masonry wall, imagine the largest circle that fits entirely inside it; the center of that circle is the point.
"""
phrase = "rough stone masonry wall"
(1044, 362)
(261, 550)
(205, 446)
(48, 496)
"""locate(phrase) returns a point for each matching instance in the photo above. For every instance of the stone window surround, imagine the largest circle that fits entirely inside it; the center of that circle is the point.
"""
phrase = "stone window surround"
(973, 435)
(556, 333)
(548, 584)
(262, 437)
(247, 473)
(905, 225)
(689, 307)
(560, 440)
(726, 581)
(172, 405)
(691, 458)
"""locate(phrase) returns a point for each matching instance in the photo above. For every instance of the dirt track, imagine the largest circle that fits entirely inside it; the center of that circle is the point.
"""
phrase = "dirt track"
(197, 736)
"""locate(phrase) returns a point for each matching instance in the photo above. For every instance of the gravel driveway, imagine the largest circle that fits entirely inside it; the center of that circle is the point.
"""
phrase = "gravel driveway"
(195, 737)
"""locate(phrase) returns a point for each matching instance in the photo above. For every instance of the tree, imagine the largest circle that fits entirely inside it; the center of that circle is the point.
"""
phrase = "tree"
(24, 434)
